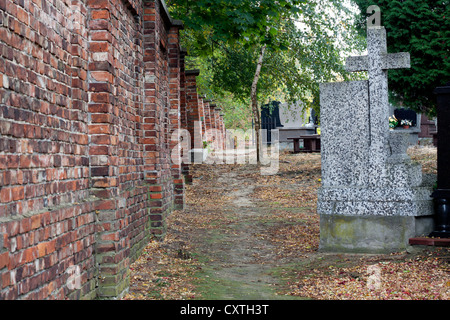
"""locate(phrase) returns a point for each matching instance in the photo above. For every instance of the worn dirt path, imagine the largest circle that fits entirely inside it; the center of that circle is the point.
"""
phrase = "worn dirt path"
(229, 224)
(241, 260)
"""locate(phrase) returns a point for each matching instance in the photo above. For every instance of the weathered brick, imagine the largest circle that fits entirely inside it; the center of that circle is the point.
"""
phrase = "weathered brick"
(98, 4)
(99, 171)
(22, 15)
(6, 277)
(100, 14)
(17, 193)
(99, 129)
(29, 255)
(5, 194)
(99, 46)
(4, 259)
(46, 248)
(99, 150)
(102, 76)
(25, 225)
(13, 228)
(101, 35)
(35, 221)
(156, 196)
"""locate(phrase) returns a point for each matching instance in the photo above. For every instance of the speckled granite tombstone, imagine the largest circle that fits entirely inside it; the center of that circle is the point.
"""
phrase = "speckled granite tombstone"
(373, 197)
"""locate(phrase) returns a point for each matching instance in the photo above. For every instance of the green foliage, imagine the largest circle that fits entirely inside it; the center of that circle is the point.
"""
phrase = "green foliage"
(318, 43)
(421, 28)
(305, 43)
(248, 21)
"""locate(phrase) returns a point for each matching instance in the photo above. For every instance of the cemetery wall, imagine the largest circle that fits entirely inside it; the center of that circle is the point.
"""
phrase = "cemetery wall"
(89, 97)
(206, 107)
(194, 109)
(47, 214)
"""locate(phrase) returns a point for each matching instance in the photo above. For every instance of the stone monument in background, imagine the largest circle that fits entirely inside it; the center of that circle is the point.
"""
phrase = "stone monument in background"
(296, 121)
(373, 197)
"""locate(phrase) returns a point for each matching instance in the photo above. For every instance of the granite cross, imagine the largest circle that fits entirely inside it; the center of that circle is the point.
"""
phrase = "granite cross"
(377, 62)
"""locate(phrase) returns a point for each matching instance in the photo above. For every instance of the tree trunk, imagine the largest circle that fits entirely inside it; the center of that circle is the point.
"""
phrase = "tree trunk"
(254, 99)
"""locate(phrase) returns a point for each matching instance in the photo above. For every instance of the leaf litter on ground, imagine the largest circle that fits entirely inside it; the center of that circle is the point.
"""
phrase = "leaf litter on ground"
(167, 269)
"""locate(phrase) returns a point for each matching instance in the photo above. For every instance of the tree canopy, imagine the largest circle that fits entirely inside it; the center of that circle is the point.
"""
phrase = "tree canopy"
(247, 21)
(304, 42)
(421, 28)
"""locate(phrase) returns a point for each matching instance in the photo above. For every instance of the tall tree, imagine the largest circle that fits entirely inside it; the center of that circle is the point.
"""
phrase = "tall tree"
(249, 23)
(256, 48)
(311, 49)
(423, 29)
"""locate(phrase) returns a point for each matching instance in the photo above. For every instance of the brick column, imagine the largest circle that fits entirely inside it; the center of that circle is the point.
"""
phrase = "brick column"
(220, 127)
(194, 115)
(217, 127)
(184, 113)
(207, 114)
(159, 110)
(223, 131)
(175, 114)
(151, 109)
(201, 110)
(212, 119)
(113, 245)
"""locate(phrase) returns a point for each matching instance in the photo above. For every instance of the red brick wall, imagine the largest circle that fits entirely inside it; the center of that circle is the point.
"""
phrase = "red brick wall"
(201, 110)
(183, 111)
(212, 119)
(175, 97)
(47, 216)
(184, 118)
(161, 110)
(222, 131)
(89, 97)
(193, 109)
(116, 153)
(207, 114)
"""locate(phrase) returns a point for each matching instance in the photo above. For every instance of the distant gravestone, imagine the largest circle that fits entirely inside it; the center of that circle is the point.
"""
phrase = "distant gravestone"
(372, 197)
(414, 119)
(270, 120)
(406, 114)
(295, 123)
(293, 115)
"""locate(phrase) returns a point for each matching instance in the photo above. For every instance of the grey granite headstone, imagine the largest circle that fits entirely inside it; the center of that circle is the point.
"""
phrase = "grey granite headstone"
(293, 115)
(346, 133)
(373, 197)
(295, 123)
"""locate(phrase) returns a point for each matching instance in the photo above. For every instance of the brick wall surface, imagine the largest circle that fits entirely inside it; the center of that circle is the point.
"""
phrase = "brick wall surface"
(207, 114)
(91, 92)
(194, 109)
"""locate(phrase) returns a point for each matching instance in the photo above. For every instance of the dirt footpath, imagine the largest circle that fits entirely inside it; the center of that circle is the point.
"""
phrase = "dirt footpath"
(240, 258)
(248, 236)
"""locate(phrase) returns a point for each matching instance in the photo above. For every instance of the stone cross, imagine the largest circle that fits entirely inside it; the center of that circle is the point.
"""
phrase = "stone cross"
(377, 62)
(373, 197)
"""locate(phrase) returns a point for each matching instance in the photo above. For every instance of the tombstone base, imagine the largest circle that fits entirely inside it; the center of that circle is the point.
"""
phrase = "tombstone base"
(370, 234)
